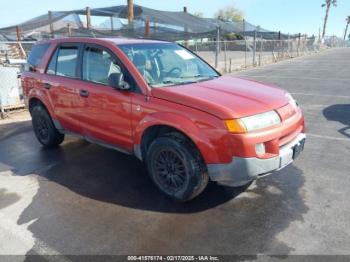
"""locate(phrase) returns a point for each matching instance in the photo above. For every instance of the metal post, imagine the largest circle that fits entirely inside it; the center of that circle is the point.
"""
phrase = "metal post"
(288, 46)
(217, 48)
(273, 51)
(51, 24)
(225, 55)
(298, 49)
(112, 24)
(245, 41)
(261, 45)
(69, 30)
(230, 65)
(279, 45)
(88, 18)
(254, 48)
(186, 29)
(2, 111)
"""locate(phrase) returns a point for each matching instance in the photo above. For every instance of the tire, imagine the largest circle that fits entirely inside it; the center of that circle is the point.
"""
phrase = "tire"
(44, 129)
(176, 167)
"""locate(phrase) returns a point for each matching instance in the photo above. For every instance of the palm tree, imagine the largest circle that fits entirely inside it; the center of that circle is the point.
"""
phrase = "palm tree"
(347, 26)
(327, 4)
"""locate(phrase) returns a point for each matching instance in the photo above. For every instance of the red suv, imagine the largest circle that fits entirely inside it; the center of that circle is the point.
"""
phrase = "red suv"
(162, 103)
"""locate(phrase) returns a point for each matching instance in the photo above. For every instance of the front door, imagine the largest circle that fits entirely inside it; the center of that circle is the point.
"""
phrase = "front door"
(107, 111)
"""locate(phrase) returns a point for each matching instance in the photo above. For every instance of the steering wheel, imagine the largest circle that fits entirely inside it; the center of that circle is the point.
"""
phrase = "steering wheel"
(173, 70)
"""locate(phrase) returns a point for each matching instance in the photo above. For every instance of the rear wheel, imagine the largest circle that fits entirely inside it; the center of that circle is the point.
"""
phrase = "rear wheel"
(176, 167)
(44, 129)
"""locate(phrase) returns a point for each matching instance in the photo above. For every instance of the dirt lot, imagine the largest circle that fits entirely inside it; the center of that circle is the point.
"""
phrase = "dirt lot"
(85, 199)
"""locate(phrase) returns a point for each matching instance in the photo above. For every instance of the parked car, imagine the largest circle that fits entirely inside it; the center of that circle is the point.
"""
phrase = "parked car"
(161, 102)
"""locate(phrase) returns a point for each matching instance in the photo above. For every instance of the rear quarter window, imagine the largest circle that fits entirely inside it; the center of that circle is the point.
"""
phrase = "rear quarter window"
(37, 54)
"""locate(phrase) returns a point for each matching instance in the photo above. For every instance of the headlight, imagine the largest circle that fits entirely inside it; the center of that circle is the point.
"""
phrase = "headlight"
(291, 100)
(252, 123)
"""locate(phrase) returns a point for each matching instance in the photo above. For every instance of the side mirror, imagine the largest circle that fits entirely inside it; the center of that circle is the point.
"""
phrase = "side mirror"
(116, 80)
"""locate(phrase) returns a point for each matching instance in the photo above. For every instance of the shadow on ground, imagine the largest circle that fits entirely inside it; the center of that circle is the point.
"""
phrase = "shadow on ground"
(93, 200)
(340, 113)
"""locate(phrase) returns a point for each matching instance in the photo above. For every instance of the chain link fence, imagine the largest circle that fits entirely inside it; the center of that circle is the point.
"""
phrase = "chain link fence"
(228, 56)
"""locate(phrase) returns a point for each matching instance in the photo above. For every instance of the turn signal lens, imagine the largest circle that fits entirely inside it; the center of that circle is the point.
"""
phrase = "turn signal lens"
(235, 126)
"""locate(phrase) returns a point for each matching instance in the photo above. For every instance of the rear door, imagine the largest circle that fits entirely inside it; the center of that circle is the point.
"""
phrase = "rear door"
(107, 111)
(31, 77)
(61, 79)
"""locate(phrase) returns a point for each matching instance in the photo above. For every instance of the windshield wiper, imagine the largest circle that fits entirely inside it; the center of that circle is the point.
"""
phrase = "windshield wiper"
(196, 76)
(166, 82)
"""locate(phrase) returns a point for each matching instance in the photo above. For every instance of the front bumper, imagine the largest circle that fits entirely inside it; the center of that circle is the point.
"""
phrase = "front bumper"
(243, 170)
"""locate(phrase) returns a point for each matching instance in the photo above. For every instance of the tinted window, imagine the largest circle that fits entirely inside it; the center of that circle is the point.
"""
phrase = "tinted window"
(37, 54)
(98, 65)
(64, 61)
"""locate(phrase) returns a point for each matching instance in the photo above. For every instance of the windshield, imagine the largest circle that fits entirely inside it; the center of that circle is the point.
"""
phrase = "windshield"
(165, 64)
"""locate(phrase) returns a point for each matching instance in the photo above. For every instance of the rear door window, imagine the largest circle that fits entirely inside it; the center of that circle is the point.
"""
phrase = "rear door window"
(64, 61)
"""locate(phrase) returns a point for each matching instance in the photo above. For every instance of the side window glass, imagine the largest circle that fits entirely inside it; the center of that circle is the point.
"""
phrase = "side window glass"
(64, 61)
(51, 69)
(98, 65)
(67, 59)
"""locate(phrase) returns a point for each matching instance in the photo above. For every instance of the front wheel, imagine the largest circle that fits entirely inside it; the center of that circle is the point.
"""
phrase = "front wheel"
(176, 167)
(44, 129)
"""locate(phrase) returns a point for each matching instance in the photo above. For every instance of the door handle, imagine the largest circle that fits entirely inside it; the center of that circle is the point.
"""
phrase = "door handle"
(84, 93)
(47, 85)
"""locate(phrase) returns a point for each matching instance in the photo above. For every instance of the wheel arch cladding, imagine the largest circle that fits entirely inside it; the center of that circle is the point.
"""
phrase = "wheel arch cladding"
(160, 123)
(38, 98)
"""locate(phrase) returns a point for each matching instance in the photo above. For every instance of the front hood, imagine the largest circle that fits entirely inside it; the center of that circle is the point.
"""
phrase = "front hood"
(226, 97)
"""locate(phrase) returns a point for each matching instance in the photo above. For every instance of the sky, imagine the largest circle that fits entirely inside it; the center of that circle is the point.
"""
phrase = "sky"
(287, 16)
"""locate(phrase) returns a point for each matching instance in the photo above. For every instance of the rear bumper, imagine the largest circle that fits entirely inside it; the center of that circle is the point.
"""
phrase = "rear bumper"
(243, 170)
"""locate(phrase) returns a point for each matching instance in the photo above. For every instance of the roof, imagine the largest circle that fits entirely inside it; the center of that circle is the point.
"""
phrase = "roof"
(120, 40)
(115, 40)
